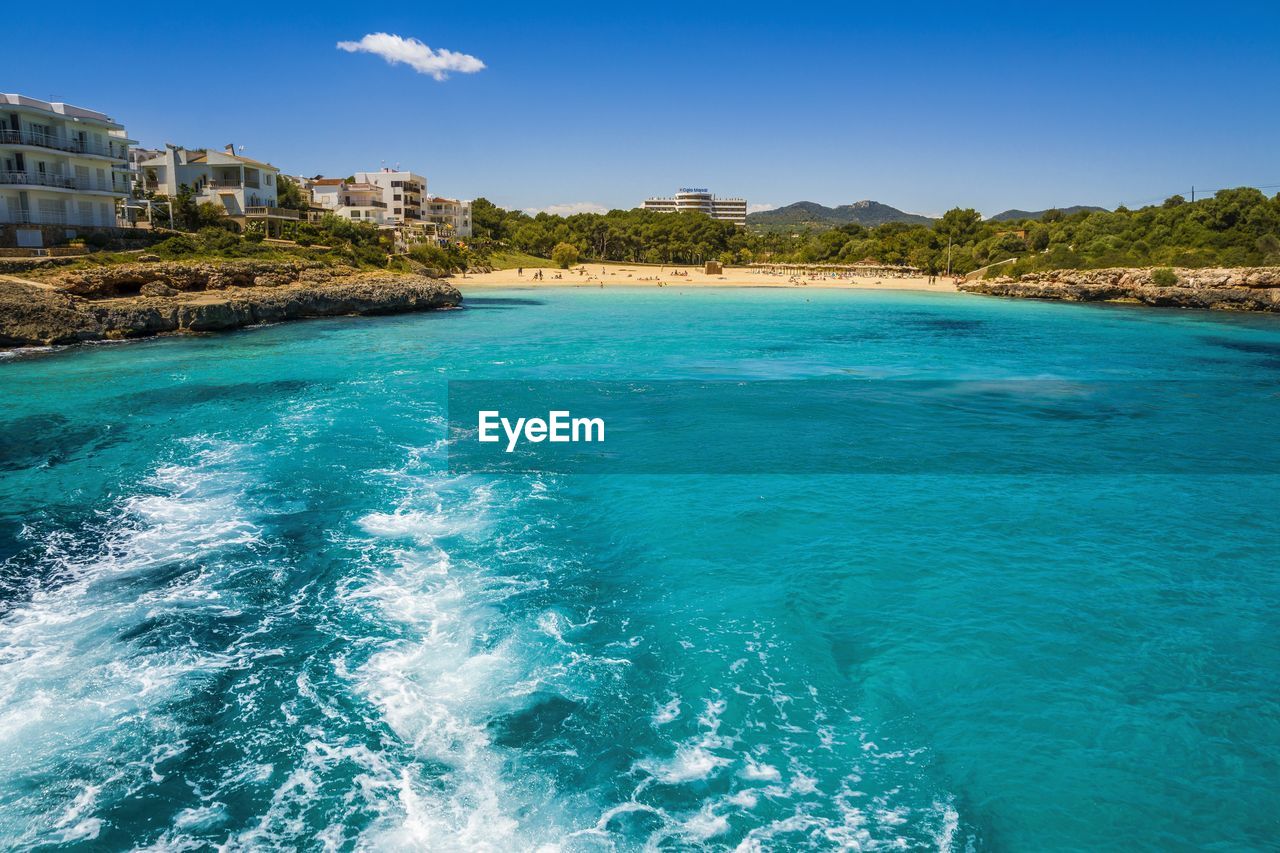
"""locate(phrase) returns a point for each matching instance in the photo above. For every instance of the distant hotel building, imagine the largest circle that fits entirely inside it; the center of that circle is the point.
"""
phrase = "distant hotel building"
(59, 165)
(728, 209)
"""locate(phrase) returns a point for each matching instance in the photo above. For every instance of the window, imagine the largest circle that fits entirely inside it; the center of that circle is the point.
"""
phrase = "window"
(398, 210)
(267, 178)
(355, 214)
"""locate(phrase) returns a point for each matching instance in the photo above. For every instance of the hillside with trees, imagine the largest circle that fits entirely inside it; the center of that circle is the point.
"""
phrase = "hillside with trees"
(1237, 227)
(811, 216)
(1015, 214)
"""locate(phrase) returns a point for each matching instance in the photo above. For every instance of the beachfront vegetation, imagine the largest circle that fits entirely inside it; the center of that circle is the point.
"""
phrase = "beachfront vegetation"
(510, 259)
(1238, 227)
(1234, 228)
(564, 255)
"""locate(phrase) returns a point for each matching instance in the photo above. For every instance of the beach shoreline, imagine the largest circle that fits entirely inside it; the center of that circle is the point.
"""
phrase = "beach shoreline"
(643, 275)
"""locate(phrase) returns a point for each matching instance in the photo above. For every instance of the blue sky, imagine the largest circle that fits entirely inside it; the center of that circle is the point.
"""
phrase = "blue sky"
(920, 105)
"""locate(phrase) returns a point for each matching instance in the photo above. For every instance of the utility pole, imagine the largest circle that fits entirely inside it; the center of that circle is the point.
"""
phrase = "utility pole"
(1193, 193)
(948, 257)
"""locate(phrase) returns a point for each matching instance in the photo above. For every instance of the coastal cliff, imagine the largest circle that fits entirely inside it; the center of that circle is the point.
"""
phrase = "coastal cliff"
(1245, 289)
(137, 300)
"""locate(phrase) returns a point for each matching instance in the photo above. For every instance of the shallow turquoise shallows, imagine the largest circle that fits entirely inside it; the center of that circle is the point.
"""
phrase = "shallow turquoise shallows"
(243, 602)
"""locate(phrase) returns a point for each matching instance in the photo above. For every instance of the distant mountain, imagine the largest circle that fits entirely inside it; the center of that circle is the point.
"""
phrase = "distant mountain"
(1036, 214)
(811, 215)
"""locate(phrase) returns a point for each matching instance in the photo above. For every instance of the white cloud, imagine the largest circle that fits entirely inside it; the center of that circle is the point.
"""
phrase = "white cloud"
(396, 49)
(757, 208)
(568, 208)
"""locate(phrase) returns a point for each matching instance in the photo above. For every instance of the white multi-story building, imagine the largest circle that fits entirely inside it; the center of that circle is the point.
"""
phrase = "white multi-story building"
(357, 200)
(394, 200)
(451, 216)
(60, 164)
(235, 183)
(402, 192)
(702, 201)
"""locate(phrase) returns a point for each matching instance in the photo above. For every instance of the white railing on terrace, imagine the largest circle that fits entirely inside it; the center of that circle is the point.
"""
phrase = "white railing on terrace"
(57, 143)
(66, 182)
(25, 217)
(277, 212)
(38, 179)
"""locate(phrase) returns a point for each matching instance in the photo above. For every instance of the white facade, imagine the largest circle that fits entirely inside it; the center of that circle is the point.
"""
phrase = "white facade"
(240, 185)
(702, 201)
(451, 216)
(394, 200)
(360, 201)
(402, 193)
(60, 164)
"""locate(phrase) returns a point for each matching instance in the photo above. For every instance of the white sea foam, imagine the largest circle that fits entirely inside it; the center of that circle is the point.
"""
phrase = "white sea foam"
(459, 663)
(69, 684)
(667, 713)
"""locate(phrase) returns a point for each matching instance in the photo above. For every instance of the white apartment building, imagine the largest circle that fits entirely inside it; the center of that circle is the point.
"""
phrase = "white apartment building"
(396, 200)
(241, 186)
(402, 192)
(244, 188)
(452, 216)
(59, 165)
(360, 201)
(701, 200)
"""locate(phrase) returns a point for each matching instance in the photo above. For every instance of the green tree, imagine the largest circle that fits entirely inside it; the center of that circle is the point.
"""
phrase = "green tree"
(564, 255)
(958, 224)
(289, 195)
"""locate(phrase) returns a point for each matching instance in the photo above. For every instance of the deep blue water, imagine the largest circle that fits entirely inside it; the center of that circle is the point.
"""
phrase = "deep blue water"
(243, 603)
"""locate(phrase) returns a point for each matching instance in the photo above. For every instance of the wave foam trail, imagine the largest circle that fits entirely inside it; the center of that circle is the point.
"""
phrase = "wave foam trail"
(77, 693)
(458, 662)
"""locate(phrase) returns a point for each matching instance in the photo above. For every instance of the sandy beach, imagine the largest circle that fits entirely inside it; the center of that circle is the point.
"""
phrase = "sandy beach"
(596, 275)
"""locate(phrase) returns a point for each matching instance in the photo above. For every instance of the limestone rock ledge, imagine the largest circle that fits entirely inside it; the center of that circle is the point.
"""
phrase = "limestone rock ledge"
(1247, 289)
(31, 315)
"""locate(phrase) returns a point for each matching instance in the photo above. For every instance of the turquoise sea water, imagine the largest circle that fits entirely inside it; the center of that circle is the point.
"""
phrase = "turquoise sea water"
(244, 604)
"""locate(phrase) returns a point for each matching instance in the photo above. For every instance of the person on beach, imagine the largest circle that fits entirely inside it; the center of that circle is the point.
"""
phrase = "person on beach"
(519, 270)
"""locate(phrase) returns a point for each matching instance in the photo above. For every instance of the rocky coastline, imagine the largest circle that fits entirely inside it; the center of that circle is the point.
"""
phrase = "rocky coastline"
(1244, 289)
(152, 298)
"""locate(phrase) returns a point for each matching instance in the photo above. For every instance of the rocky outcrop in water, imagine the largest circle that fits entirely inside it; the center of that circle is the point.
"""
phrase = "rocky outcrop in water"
(1246, 289)
(97, 304)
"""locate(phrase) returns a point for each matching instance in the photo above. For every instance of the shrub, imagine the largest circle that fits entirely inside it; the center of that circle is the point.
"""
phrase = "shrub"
(255, 236)
(446, 258)
(564, 255)
(1164, 277)
(175, 247)
(97, 239)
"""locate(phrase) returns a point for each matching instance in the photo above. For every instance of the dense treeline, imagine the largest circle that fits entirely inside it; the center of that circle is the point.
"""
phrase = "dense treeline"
(1238, 227)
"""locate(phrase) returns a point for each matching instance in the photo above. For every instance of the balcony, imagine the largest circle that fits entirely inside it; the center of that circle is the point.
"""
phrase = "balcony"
(31, 217)
(38, 179)
(57, 143)
(265, 212)
(62, 182)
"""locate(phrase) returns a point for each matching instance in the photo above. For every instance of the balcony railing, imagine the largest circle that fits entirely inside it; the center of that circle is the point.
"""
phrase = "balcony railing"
(38, 179)
(44, 179)
(57, 143)
(273, 212)
(31, 217)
